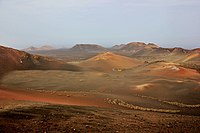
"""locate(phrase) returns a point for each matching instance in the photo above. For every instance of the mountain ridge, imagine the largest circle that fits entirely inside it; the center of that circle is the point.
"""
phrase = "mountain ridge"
(13, 59)
(44, 48)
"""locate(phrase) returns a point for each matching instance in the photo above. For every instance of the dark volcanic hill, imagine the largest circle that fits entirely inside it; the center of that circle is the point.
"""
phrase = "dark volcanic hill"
(12, 59)
(152, 52)
(134, 46)
(117, 47)
(88, 48)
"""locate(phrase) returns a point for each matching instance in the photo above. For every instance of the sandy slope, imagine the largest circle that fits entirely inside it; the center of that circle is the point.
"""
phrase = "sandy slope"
(110, 62)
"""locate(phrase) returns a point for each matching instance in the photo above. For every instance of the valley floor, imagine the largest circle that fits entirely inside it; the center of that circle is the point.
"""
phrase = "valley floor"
(57, 118)
(62, 111)
(131, 100)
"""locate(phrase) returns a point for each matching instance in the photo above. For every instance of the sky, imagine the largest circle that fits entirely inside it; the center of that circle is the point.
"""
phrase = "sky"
(64, 23)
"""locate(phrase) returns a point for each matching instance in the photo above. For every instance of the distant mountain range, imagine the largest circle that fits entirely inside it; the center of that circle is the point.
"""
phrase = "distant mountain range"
(143, 51)
(96, 57)
(45, 47)
(97, 48)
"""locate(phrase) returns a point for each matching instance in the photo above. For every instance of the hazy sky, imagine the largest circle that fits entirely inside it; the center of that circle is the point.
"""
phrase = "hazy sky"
(61, 23)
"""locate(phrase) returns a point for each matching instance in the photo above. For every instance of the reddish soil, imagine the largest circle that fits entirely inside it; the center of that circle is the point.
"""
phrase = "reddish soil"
(69, 98)
(181, 73)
